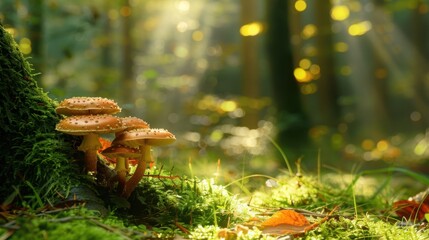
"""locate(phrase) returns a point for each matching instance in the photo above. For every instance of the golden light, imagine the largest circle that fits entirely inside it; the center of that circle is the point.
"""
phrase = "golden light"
(183, 6)
(340, 13)
(341, 47)
(382, 145)
(182, 26)
(315, 69)
(300, 5)
(251, 29)
(367, 144)
(300, 75)
(228, 106)
(197, 36)
(25, 45)
(310, 30)
(11, 31)
(360, 28)
(305, 63)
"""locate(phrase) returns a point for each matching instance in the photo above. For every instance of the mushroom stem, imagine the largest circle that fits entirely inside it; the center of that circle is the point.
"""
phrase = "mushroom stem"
(121, 172)
(90, 163)
(90, 144)
(132, 183)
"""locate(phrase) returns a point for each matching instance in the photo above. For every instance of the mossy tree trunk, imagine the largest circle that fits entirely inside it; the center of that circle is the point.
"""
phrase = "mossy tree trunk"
(34, 158)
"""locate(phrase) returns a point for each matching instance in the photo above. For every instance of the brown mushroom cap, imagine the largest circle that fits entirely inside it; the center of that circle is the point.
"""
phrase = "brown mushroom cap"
(87, 105)
(141, 136)
(85, 124)
(131, 123)
(121, 151)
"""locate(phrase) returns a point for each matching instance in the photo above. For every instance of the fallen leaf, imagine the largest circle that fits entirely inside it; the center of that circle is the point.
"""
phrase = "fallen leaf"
(410, 209)
(285, 222)
(290, 217)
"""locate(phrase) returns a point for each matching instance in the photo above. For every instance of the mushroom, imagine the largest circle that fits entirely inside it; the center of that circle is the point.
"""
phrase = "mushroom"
(121, 153)
(131, 123)
(142, 138)
(90, 126)
(87, 105)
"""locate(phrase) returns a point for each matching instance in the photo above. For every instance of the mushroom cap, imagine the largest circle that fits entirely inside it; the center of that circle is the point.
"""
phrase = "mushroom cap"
(134, 123)
(86, 124)
(87, 105)
(141, 136)
(121, 151)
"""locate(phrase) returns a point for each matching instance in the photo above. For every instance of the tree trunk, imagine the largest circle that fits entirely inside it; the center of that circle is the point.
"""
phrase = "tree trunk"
(292, 123)
(327, 83)
(127, 57)
(35, 28)
(35, 159)
(250, 63)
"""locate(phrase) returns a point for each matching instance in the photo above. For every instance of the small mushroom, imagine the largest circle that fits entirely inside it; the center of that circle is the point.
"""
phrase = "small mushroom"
(121, 153)
(90, 126)
(87, 105)
(131, 123)
(142, 138)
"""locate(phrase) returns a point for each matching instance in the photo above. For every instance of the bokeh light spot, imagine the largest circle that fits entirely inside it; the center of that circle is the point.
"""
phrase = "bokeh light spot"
(360, 28)
(340, 13)
(251, 29)
(300, 5)
(25, 45)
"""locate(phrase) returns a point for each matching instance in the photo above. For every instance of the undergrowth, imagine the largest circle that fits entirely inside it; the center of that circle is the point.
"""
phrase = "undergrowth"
(195, 208)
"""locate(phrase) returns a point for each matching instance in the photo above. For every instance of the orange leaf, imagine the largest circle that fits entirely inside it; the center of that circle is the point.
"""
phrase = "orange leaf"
(104, 143)
(289, 217)
(410, 209)
(285, 222)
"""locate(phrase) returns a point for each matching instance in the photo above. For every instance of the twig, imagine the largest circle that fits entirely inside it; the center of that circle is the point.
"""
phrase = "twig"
(314, 225)
(182, 228)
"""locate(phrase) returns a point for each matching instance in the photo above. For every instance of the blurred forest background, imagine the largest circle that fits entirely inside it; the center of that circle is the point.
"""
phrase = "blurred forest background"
(346, 81)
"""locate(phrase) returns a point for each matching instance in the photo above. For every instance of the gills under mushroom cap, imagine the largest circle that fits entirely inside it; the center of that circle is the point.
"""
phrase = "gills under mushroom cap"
(87, 105)
(85, 124)
(121, 151)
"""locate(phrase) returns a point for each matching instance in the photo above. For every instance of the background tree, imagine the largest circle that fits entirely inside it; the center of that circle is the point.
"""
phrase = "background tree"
(329, 111)
(292, 122)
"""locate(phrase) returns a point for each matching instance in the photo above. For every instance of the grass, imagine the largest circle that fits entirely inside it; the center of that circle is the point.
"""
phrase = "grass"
(203, 208)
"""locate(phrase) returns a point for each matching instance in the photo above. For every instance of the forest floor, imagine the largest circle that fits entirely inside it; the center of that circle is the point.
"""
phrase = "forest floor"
(385, 203)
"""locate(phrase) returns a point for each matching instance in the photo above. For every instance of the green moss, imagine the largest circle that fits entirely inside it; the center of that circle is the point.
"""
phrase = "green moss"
(34, 158)
(365, 227)
(296, 191)
(74, 223)
(189, 202)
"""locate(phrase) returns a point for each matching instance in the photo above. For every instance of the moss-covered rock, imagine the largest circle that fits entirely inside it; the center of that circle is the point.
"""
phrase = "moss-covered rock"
(34, 158)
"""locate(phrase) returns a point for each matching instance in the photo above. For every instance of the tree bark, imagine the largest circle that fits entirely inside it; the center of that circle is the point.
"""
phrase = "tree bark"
(292, 123)
(250, 63)
(327, 83)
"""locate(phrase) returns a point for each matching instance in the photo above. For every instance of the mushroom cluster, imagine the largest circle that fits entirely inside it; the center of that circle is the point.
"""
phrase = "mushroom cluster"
(91, 116)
